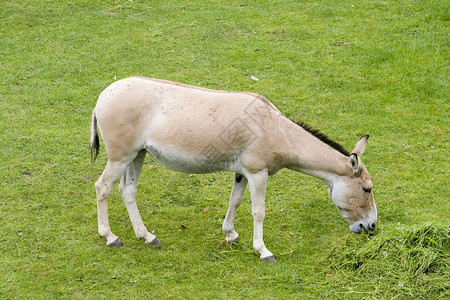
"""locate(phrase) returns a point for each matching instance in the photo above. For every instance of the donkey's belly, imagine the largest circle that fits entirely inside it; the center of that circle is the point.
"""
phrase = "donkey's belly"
(208, 161)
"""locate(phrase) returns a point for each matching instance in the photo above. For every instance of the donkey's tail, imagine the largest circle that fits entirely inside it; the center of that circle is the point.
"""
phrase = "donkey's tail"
(94, 144)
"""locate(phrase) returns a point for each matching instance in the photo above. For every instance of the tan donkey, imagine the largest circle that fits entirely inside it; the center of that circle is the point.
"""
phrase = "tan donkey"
(196, 130)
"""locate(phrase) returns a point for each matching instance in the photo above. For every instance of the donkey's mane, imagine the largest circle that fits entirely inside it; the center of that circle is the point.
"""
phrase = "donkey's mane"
(322, 137)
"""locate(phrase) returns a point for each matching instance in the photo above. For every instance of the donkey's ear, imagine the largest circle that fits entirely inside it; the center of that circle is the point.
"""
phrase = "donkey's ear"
(360, 146)
(355, 163)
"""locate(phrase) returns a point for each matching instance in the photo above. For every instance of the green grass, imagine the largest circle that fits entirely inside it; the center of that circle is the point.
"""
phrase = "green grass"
(411, 260)
(347, 67)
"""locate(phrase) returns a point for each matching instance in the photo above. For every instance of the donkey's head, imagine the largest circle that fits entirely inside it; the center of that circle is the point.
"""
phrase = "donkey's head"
(352, 193)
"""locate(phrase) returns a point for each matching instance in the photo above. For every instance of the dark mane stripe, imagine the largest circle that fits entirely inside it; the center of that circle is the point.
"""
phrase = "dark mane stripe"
(322, 137)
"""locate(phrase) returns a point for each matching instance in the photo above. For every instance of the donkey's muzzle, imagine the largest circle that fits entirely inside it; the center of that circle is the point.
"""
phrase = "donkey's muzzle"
(358, 227)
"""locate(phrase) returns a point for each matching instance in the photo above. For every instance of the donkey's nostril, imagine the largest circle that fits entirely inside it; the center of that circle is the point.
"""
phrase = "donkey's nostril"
(372, 226)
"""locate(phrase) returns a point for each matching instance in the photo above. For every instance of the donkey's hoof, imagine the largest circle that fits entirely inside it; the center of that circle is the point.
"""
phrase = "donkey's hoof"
(236, 240)
(269, 259)
(115, 244)
(155, 242)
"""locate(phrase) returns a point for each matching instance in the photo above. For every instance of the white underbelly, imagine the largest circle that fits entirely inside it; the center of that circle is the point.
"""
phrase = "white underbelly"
(205, 162)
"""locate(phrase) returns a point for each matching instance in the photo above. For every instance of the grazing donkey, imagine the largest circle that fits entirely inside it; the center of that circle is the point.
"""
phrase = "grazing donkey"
(196, 130)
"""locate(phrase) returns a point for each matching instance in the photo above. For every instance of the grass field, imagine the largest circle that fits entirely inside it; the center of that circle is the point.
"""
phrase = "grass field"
(346, 67)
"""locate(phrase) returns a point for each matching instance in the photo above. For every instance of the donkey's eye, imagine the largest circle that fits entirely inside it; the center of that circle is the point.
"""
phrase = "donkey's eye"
(367, 190)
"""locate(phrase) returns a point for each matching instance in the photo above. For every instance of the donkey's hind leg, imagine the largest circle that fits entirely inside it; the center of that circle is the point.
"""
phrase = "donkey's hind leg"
(237, 193)
(128, 188)
(104, 186)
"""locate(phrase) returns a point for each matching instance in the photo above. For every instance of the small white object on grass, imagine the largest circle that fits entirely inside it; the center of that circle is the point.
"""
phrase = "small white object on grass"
(254, 78)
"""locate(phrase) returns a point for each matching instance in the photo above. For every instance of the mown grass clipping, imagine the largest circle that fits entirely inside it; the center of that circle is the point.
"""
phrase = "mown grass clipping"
(400, 261)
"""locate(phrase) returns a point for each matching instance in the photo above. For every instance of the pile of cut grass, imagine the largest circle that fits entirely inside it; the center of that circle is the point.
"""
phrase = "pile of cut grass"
(396, 262)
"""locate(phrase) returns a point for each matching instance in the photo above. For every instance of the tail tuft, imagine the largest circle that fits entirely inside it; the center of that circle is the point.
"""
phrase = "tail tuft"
(94, 144)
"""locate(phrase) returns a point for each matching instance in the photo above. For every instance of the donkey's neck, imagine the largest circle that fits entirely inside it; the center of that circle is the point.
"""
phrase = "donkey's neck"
(312, 156)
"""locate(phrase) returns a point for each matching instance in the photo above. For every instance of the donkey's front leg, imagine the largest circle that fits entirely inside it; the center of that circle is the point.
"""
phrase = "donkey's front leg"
(257, 183)
(237, 193)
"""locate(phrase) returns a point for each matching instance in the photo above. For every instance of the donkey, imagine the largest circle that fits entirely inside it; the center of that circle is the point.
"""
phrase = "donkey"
(196, 130)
